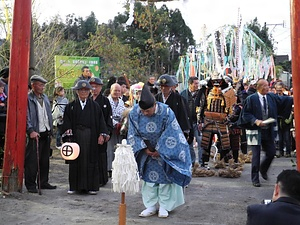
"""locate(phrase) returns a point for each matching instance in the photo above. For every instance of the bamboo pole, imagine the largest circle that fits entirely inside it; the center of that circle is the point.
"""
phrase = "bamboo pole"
(122, 210)
(295, 43)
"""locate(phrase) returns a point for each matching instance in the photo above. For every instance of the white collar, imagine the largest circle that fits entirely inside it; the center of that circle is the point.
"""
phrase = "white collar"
(261, 96)
(166, 98)
(83, 103)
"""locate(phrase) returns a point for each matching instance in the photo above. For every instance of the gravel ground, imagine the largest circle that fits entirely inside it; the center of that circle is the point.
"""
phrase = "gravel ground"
(209, 201)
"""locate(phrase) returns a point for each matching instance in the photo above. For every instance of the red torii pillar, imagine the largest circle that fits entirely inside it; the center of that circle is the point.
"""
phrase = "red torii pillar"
(295, 42)
(14, 150)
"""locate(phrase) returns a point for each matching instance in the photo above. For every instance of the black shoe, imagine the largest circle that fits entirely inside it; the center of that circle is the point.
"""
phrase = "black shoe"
(264, 175)
(32, 190)
(256, 184)
(48, 186)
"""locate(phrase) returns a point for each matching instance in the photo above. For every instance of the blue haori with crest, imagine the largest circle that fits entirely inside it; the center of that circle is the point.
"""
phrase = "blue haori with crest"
(165, 135)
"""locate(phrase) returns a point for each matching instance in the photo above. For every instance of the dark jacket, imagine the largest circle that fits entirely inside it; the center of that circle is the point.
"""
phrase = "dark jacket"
(176, 103)
(201, 102)
(32, 113)
(153, 88)
(242, 93)
(191, 111)
(191, 104)
(90, 117)
(107, 111)
(281, 212)
(277, 105)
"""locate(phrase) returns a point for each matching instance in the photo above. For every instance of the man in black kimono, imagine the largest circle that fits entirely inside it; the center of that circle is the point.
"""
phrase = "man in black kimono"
(104, 104)
(175, 101)
(83, 118)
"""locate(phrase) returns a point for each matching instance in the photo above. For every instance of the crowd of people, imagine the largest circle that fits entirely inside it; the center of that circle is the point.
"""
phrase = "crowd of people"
(163, 125)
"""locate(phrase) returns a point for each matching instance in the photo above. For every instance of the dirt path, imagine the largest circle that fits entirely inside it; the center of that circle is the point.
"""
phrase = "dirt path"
(209, 201)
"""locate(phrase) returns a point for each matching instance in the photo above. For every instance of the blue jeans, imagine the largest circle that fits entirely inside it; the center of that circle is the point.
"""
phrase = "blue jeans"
(58, 135)
(284, 138)
(198, 136)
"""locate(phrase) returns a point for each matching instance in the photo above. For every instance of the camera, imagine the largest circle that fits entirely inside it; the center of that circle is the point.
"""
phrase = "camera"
(266, 201)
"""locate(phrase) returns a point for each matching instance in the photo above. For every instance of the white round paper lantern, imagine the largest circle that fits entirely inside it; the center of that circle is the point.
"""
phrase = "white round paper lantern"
(70, 150)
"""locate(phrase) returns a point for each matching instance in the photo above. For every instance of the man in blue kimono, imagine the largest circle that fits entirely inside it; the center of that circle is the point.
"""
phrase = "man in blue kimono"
(260, 134)
(162, 154)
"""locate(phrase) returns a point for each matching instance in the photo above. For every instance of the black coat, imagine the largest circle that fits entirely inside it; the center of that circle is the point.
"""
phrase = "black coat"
(107, 111)
(201, 101)
(190, 103)
(91, 117)
(153, 88)
(281, 212)
(278, 106)
(107, 114)
(87, 124)
(176, 103)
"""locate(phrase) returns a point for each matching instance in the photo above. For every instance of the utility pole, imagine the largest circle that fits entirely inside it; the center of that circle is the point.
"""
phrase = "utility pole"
(273, 24)
(295, 41)
(13, 167)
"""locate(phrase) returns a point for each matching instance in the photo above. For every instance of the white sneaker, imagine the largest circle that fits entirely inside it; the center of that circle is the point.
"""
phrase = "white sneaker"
(92, 192)
(148, 212)
(71, 192)
(162, 213)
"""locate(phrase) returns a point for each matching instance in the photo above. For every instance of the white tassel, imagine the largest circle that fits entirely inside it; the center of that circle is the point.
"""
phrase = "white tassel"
(125, 177)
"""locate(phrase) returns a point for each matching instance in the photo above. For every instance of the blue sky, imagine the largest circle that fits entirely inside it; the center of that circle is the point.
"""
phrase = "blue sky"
(196, 13)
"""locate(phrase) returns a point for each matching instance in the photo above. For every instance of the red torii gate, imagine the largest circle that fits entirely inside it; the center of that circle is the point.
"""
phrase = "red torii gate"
(14, 154)
(295, 42)
(17, 104)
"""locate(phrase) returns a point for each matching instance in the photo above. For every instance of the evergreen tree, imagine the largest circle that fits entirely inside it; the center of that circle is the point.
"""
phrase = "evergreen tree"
(262, 32)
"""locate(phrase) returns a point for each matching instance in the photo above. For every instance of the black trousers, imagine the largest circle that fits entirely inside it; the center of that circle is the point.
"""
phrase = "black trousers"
(84, 171)
(285, 139)
(268, 146)
(31, 162)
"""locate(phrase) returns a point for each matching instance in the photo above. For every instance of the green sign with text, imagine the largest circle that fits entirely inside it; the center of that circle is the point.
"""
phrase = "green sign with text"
(68, 69)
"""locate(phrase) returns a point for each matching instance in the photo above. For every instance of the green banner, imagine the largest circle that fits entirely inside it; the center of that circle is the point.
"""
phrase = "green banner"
(68, 69)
